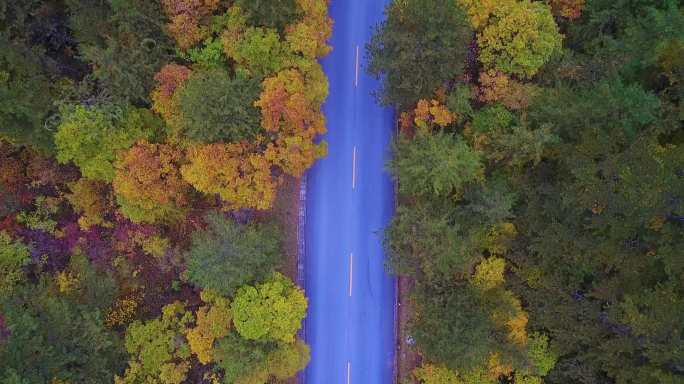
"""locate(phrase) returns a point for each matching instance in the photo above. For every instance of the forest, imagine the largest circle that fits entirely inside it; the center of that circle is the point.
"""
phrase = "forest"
(147, 149)
(143, 145)
(540, 169)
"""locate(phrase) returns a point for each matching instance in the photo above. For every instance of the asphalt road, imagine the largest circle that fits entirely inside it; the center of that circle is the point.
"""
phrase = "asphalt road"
(350, 324)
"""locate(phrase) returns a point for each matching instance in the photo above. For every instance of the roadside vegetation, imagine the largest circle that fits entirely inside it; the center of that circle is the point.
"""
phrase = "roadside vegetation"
(540, 165)
(142, 147)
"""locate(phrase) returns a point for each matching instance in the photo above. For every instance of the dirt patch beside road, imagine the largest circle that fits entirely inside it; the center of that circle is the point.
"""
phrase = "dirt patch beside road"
(285, 213)
(406, 357)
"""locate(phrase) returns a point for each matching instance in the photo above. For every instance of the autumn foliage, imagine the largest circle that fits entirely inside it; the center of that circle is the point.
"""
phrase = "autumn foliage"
(169, 79)
(519, 38)
(234, 171)
(570, 9)
(187, 20)
(148, 184)
(91, 200)
(479, 11)
(496, 86)
(292, 92)
(290, 114)
(310, 35)
(213, 322)
(123, 124)
(432, 112)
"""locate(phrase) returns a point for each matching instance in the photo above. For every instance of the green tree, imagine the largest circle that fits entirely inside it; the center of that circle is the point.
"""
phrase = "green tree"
(259, 50)
(639, 34)
(242, 360)
(26, 86)
(492, 117)
(459, 102)
(209, 55)
(424, 242)
(226, 255)
(288, 359)
(506, 140)
(215, 107)
(653, 316)
(251, 362)
(435, 374)
(271, 13)
(269, 311)
(125, 43)
(434, 239)
(157, 348)
(421, 45)
(612, 105)
(91, 137)
(600, 234)
(542, 357)
(453, 327)
(438, 164)
(59, 334)
(14, 255)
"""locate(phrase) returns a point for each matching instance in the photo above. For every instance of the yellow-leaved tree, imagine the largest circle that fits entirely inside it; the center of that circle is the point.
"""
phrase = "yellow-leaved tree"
(213, 322)
(234, 171)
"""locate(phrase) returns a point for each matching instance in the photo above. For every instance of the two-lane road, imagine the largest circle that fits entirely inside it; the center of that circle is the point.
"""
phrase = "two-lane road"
(350, 324)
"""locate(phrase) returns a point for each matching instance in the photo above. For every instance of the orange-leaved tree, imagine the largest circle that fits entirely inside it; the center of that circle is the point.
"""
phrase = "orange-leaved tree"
(496, 86)
(148, 184)
(188, 19)
(429, 113)
(169, 80)
(293, 117)
(570, 9)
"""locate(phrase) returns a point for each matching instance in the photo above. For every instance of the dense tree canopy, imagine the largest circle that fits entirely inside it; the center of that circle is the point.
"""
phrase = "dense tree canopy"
(235, 172)
(270, 311)
(226, 255)
(437, 164)
(124, 42)
(270, 13)
(143, 145)
(251, 362)
(519, 38)
(557, 262)
(26, 89)
(540, 176)
(60, 336)
(421, 45)
(13, 257)
(148, 183)
(213, 106)
(91, 137)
